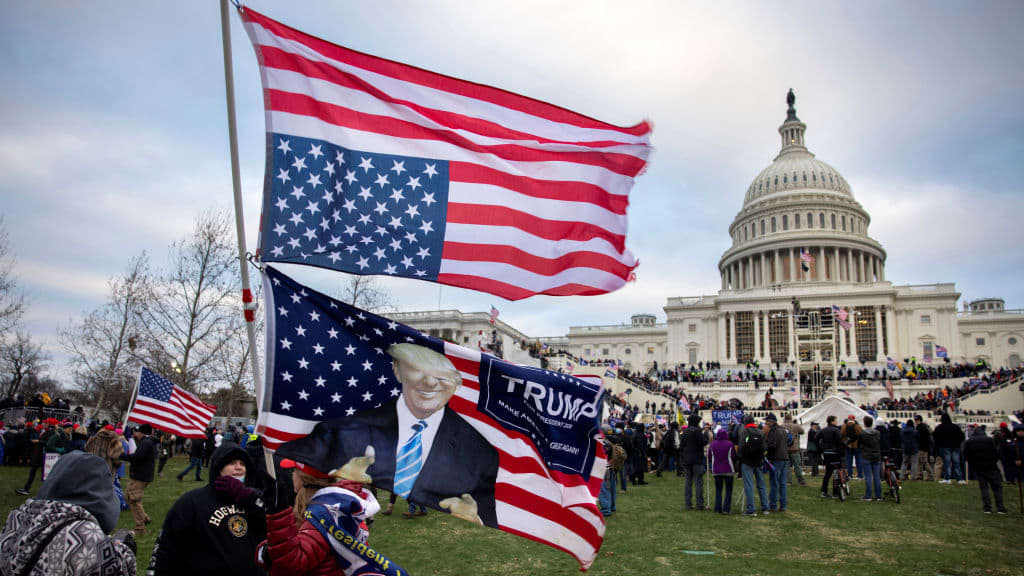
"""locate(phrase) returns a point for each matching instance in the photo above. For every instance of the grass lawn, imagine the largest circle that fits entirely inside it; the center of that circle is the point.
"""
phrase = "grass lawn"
(938, 530)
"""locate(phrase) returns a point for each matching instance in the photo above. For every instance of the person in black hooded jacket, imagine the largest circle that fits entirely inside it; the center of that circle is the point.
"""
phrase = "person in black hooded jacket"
(981, 453)
(948, 437)
(217, 528)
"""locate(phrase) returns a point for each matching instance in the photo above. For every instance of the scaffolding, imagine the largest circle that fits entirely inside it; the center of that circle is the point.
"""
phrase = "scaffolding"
(816, 354)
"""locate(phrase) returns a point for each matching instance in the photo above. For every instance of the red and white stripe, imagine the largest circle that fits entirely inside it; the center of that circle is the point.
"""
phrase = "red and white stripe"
(533, 501)
(537, 195)
(183, 415)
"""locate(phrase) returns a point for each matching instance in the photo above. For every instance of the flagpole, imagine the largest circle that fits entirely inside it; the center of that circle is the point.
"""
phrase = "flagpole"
(135, 396)
(236, 183)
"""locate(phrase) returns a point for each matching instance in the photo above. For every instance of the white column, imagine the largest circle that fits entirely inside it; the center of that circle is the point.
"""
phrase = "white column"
(764, 269)
(861, 276)
(836, 276)
(757, 343)
(721, 339)
(790, 340)
(853, 338)
(890, 329)
(880, 356)
(842, 345)
(792, 268)
(766, 354)
(723, 280)
(881, 270)
(821, 263)
(778, 266)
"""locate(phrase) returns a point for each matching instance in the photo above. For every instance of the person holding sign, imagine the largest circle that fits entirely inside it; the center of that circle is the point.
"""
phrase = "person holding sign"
(425, 452)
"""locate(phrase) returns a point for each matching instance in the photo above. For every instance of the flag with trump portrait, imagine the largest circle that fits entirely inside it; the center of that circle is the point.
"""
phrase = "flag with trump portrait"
(378, 167)
(512, 447)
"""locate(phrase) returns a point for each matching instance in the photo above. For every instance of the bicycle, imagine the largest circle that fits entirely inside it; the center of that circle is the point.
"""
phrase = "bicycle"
(840, 480)
(892, 478)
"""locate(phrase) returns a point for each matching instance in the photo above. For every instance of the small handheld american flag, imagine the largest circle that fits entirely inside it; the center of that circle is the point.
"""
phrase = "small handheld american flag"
(165, 406)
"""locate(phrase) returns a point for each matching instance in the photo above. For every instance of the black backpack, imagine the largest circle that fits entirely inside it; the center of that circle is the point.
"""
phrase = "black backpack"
(753, 447)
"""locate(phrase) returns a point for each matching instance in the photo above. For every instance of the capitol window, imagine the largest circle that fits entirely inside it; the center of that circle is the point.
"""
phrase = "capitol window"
(604, 351)
(1011, 341)
(810, 220)
(773, 223)
(844, 223)
(833, 221)
(796, 221)
(926, 319)
(693, 328)
(628, 351)
(979, 341)
(821, 220)
(785, 222)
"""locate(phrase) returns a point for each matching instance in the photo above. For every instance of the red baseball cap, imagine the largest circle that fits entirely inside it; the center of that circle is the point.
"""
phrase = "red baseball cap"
(289, 463)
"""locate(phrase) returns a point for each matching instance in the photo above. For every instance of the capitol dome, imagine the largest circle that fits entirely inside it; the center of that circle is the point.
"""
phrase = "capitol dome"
(800, 223)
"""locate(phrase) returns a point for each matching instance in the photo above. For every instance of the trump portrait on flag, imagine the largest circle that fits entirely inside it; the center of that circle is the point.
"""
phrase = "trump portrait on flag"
(423, 451)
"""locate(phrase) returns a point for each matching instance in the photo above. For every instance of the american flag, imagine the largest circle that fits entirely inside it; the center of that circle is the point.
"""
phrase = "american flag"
(377, 167)
(163, 405)
(326, 360)
(841, 315)
(494, 314)
(805, 260)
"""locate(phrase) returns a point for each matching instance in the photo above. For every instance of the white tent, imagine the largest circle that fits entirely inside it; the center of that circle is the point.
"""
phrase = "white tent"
(831, 406)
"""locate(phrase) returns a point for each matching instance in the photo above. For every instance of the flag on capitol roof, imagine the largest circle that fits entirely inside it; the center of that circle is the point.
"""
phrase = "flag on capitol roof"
(378, 167)
(329, 366)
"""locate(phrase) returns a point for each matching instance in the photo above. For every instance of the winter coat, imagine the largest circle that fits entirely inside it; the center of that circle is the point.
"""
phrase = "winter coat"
(908, 436)
(948, 435)
(796, 430)
(754, 461)
(65, 528)
(143, 460)
(205, 532)
(812, 440)
(722, 456)
(830, 440)
(883, 440)
(870, 444)
(850, 433)
(776, 441)
(980, 452)
(924, 438)
(107, 445)
(691, 443)
(298, 551)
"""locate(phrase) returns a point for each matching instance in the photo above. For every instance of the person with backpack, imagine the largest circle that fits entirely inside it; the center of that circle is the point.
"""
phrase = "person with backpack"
(871, 456)
(909, 438)
(777, 440)
(850, 432)
(830, 446)
(751, 451)
(924, 449)
(691, 450)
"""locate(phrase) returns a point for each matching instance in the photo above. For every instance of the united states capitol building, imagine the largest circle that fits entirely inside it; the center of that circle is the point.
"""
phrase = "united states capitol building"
(800, 235)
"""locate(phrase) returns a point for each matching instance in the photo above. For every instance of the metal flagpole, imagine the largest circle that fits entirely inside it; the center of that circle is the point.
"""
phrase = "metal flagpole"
(236, 183)
(135, 396)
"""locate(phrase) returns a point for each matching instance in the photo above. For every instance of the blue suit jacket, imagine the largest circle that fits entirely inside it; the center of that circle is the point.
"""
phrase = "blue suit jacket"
(460, 460)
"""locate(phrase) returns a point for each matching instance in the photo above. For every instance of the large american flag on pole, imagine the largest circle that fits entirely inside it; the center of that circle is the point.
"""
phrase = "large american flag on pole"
(327, 360)
(377, 167)
(165, 406)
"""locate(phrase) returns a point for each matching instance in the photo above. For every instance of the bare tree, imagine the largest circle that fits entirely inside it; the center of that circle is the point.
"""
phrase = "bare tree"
(12, 299)
(21, 359)
(102, 344)
(234, 368)
(365, 292)
(189, 318)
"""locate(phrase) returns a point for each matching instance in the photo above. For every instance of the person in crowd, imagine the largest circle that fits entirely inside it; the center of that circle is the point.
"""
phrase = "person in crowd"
(723, 462)
(850, 432)
(691, 456)
(830, 446)
(36, 448)
(215, 529)
(299, 536)
(812, 447)
(606, 498)
(143, 464)
(896, 443)
(196, 456)
(669, 449)
(908, 437)
(165, 447)
(58, 442)
(870, 443)
(981, 453)
(125, 447)
(948, 437)
(795, 459)
(64, 530)
(106, 445)
(1018, 450)
(79, 437)
(1004, 441)
(639, 456)
(924, 449)
(625, 435)
(777, 441)
(751, 453)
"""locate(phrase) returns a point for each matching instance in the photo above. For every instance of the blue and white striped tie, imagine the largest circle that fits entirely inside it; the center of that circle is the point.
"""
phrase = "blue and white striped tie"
(409, 461)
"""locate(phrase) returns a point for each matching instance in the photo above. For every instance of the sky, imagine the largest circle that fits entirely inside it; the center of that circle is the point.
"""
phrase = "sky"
(113, 130)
